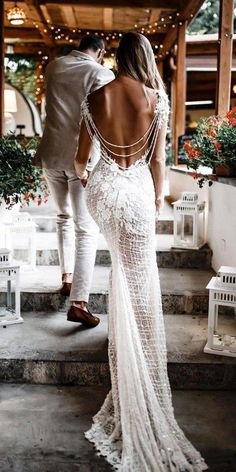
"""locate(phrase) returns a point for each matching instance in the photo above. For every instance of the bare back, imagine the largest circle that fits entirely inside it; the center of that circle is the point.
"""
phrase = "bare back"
(123, 111)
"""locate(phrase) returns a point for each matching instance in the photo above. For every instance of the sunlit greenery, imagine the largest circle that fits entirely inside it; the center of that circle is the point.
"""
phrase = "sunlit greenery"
(207, 20)
(20, 180)
(20, 72)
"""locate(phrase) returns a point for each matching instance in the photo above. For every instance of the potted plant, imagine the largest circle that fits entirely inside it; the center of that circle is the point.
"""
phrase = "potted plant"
(213, 146)
(20, 181)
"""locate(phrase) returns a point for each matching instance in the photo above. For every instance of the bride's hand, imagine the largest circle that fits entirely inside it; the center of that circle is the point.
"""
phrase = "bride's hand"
(84, 179)
(159, 205)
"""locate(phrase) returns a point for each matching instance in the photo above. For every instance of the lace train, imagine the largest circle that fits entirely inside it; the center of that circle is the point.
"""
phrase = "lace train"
(135, 429)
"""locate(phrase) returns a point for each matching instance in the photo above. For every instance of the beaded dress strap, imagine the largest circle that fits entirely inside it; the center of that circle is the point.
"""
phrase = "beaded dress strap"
(160, 115)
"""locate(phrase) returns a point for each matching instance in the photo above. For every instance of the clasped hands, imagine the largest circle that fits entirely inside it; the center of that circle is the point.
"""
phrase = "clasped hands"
(82, 176)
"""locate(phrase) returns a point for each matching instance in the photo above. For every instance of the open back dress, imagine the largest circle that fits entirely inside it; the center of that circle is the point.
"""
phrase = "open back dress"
(135, 428)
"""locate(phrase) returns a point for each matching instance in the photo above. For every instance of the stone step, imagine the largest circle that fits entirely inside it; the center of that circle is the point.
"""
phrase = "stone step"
(47, 349)
(183, 290)
(48, 224)
(167, 256)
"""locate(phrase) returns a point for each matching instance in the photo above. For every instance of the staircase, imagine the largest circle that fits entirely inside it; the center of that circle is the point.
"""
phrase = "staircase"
(54, 375)
(47, 349)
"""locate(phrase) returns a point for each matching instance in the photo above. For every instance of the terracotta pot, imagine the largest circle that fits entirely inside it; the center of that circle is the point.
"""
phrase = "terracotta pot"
(225, 170)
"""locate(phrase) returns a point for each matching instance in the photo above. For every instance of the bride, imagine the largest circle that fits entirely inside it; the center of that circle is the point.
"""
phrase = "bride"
(135, 429)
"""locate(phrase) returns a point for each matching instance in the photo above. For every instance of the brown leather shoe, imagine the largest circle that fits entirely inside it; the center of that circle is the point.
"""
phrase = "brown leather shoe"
(78, 315)
(65, 289)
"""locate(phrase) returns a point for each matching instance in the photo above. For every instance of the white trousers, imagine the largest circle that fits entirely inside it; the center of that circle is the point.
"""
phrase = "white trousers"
(76, 230)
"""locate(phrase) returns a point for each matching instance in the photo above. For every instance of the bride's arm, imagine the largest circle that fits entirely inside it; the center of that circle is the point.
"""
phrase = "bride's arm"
(83, 152)
(157, 165)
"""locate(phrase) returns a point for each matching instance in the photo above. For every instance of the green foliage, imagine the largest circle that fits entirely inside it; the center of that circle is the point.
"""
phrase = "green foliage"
(207, 19)
(20, 72)
(20, 180)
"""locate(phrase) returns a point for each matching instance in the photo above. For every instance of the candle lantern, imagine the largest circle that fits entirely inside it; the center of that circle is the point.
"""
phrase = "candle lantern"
(222, 293)
(21, 239)
(10, 273)
(189, 222)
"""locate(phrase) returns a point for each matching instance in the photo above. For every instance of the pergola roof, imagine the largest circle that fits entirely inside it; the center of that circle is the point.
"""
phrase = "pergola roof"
(156, 18)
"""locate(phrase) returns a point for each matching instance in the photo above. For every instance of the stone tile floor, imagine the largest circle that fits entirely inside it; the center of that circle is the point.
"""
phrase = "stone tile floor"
(42, 427)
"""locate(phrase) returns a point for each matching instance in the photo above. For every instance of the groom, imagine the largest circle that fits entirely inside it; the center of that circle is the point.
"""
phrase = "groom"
(68, 80)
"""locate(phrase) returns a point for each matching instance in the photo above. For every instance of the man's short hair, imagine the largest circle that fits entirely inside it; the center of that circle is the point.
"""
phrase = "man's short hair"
(91, 41)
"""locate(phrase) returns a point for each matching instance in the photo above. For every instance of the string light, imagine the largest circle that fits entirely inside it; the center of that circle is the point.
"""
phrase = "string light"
(67, 34)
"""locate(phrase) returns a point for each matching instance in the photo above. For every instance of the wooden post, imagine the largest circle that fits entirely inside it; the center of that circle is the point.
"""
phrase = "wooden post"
(173, 117)
(224, 57)
(52, 53)
(1, 67)
(180, 87)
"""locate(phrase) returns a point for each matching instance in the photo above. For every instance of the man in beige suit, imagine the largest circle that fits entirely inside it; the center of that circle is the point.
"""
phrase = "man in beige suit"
(68, 80)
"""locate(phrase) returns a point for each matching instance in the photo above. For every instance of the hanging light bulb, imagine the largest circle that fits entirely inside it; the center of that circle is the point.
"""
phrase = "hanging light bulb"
(16, 15)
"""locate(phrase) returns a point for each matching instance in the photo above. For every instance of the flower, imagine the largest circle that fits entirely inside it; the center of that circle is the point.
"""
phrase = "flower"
(187, 146)
(213, 144)
(231, 116)
(195, 175)
(212, 133)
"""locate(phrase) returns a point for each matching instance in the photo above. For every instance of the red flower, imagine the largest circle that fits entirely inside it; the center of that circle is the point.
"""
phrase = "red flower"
(212, 133)
(217, 146)
(194, 154)
(231, 116)
(195, 175)
(213, 178)
(26, 197)
(188, 147)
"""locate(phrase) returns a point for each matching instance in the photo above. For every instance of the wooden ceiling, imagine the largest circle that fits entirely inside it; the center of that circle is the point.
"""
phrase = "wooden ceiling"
(53, 23)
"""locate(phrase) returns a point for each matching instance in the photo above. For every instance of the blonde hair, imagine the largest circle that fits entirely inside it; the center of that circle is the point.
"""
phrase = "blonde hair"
(136, 59)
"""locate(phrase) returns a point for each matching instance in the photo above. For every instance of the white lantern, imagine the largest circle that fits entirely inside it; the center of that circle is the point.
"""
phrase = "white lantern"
(9, 272)
(189, 222)
(21, 238)
(222, 292)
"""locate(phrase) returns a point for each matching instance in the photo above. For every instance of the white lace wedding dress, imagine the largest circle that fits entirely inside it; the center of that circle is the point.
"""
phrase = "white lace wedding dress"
(135, 428)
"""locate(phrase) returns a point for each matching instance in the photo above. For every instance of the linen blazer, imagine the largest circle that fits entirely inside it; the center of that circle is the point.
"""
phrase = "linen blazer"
(68, 80)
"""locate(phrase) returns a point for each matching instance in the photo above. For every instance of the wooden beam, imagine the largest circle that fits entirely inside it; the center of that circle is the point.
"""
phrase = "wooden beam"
(162, 4)
(35, 13)
(27, 49)
(69, 15)
(188, 12)
(224, 57)
(45, 13)
(1, 67)
(180, 87)
(23, 33)
(108, 19)
(155, 15)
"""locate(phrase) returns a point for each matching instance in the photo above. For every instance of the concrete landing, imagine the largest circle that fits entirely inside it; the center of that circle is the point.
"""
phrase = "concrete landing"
(48, 349)
(42, 428)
